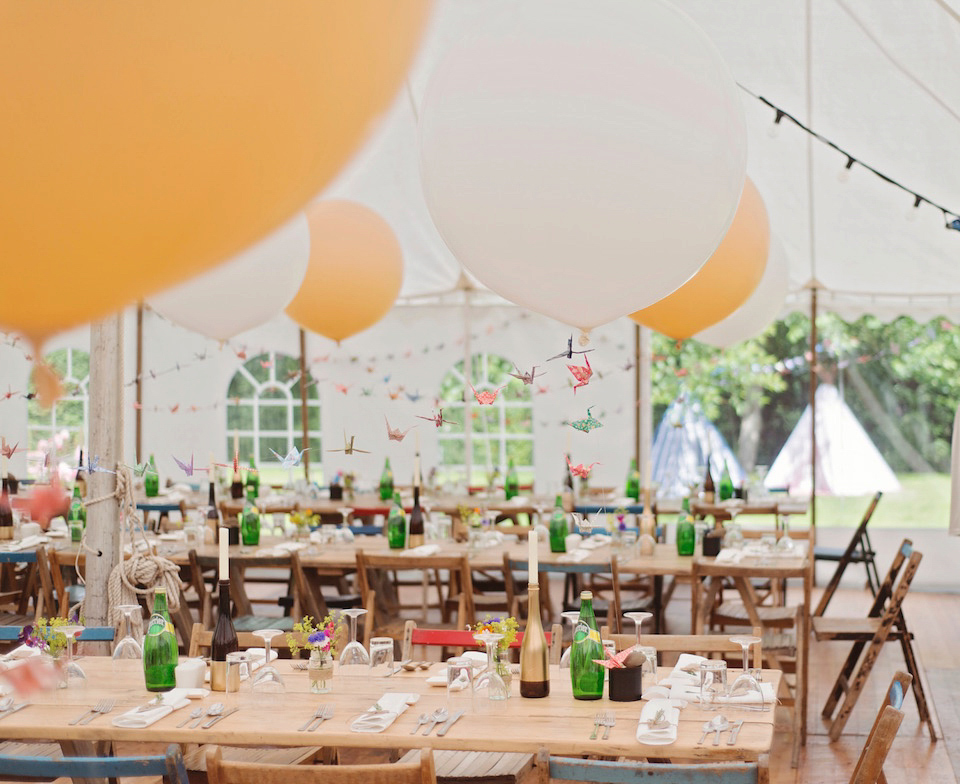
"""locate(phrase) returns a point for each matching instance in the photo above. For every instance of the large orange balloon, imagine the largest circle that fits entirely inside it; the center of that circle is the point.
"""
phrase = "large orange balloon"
(143, 142)
(354, 273)
(724, 283)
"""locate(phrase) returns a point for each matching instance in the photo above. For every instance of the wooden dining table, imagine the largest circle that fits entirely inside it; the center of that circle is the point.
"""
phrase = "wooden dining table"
(558, 722)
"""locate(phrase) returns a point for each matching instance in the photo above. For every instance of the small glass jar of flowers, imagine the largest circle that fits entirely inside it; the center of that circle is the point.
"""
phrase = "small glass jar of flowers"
(508, 627)
(304, 520)
(321, 640)
(45, 636)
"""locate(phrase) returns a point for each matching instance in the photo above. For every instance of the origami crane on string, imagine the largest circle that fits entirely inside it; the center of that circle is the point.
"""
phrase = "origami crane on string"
(348, 447)
(527, 378)
(141, 468)
(413, 397)
(8, 451)
(396, 434)
(437, 419)
(581, 373)
(292, 457)
(187, 468)
(588, 423)
(235, 466)
(580, 470)
(486, 397)
(568, 354)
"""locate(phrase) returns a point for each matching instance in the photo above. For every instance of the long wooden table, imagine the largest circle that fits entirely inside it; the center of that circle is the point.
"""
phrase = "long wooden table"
(558, 722)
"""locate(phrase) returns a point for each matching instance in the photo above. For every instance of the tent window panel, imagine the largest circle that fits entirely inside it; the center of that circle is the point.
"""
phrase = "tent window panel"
(313, 417)
(486, 452)
(239, 417)
(311, 390)
(241, 387)
(516, 391)
(452, 452)
(315, 451)
(454, 414)
(274, 417)
(65, 424)
(518, 420)
(277, 443)
(521, 452)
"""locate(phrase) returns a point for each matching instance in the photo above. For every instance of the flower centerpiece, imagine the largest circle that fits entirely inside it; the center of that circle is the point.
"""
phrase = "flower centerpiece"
(321, 640)
(45, 635)
(304, 520)
(508, 627)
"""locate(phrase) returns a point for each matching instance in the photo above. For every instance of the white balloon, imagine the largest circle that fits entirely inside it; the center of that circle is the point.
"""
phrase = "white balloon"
(583, 158)
(759, 311)
(244, 292)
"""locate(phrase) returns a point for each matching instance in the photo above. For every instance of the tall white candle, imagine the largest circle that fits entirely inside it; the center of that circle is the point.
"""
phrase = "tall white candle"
(533, 556)
(211, 472)
(224, 554)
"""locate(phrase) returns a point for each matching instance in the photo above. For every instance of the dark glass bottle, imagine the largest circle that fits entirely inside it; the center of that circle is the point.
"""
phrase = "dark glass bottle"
(386, 481)
(558, 528)
(396, 525)
(511, 483)
(585, 674)
(160, 647)
(79, 479)
(633, 481)
(236, 486)
(416, 513)
(224, 640)
(151, 479)
(709, 489)
(6, 512)
(253, 483)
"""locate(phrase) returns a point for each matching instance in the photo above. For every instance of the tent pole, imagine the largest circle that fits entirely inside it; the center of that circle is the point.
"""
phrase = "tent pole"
(138, 416)
(106, 443)
(467, 398)
(637, 382)
(304, 411)
(813, 410)
(644, 400)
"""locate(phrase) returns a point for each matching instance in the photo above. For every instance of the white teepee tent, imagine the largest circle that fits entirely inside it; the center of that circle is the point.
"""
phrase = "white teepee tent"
(848, 463)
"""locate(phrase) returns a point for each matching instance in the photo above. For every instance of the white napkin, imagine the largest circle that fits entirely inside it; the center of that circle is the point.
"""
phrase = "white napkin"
(169, 702)
(422, 551)
(25, 544)
(20, 652)
(595, 541)
(383, 713)
(661, 736)
(729, 555)
(691, 693)
(679, 677)
(574, 557)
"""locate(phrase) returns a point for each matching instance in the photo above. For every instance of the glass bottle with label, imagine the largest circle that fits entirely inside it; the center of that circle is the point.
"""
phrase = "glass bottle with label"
(151, 479)
(558, 528)
(586, 675)
(396, 525)
(686, 532)
(633, 481)
(160, 647)
(76, 516)
(511, 483)
(250, 525)
(386, 481)
(253, 482)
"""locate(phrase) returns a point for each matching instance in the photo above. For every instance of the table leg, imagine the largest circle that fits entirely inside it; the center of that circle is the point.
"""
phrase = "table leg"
(86, 748)
(658, 604)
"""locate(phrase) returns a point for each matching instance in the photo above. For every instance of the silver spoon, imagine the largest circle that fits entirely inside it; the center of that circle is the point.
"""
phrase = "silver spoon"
(214, 710)
(721, 725)
(196, 713)
(438, 716)
(423, 719)
(708, 727)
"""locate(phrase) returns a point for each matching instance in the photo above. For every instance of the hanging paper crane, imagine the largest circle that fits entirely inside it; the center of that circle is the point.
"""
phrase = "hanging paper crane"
(348, 447)
(588, 423)
(486, 397)
(396, 434)
(527, 378)
(8, 451)
(187, 468)
(292, 457)
(580, 470)
(437, 419)
(568, 354)
(93, 466)
(236, 464)
(581, 373)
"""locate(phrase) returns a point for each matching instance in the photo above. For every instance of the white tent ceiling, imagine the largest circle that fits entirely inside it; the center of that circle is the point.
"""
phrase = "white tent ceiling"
(881, 78)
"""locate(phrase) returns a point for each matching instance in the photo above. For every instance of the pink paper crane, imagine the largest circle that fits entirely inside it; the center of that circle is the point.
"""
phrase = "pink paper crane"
(342, 388)
(486, 397)
(8, 451)
(581, 373)
(437, 419)
(395, 434)
(526, 378)
(580, 470)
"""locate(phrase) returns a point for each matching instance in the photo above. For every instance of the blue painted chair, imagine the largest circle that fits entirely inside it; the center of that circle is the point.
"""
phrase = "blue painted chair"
(90, 634)
(169, 765)
(870, 765)
(631, 772)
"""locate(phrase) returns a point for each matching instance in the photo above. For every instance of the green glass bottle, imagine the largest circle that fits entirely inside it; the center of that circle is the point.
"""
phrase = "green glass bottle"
(253, 482)
(585, 674)
(725, 489)
(386, 481)
(511, 484)
(633, 481)
(250, 525)
(151, 479)
(686, 533)
(160, 647)
(397, 525)
(558, 528)
(76, 516)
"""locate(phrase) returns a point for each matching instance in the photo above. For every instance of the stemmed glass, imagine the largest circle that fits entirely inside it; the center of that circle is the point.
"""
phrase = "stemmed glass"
(649, 653)
(490, 678)
(128, 647)
(785, 543)
(354, 653)
(346, 511)
(572, 616)
(72, 670)
(748, 682)
(268, 678)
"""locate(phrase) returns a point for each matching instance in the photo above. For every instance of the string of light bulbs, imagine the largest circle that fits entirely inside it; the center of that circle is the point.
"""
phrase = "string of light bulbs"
(951, 218)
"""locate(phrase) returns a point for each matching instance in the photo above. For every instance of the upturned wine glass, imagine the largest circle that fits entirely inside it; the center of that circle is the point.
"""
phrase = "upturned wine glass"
(128, 647)
(73, 672)
(354, 653)
(572, 616)
(649, 653)
(747, 683)
(490, 678)
(268, 677)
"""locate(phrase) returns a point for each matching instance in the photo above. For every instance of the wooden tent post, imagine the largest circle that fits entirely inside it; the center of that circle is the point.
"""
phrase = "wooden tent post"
(813, 409)
(106, 443)
(304, 409)
(138, 416)
(644, 400)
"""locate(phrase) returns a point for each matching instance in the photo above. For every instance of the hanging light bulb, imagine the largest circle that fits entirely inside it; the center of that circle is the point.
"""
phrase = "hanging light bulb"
(912, 212)
(774, 130)
(844, 175)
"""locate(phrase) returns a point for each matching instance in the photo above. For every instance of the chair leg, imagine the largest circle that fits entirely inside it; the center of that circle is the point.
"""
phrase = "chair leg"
(843, 678)
(913, 668)
(859, 680)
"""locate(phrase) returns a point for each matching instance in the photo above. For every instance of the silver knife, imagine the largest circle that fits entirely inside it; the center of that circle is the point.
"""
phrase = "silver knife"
(222, 716)
(13, 710)
(733, 734)
(450, 722)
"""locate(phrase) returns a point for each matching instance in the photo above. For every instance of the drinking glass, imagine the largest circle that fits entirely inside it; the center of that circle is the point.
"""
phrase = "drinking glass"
(268, 678)
(490, 678)
(747, 684)
(128, 647)
(73, 671)
(459, 677)
(648, 652)
(346, 511)
(572, 616)
(381, 656)
(785, 544)
(354, 653)
(713, 683)
(237, 670)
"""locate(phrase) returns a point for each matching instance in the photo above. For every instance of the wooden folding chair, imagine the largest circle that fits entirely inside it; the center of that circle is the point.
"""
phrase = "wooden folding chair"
(169, 765)
(628, 771)
(858, 550)
(220, 771)
(18, 586)
(702, 644)
(869, 769)
(463, 638)
(884, 623)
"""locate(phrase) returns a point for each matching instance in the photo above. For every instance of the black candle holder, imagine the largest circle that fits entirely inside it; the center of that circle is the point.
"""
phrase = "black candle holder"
(626, 684)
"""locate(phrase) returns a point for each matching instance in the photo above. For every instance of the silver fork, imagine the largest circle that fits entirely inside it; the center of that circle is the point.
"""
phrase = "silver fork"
(597, 721)
(88, 712)
(104, 706)
(327, 714)
(318, 717)
(609, 720)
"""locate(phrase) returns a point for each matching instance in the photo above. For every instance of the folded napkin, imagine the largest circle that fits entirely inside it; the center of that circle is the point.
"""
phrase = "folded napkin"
(680, 675)
(658, 736)
(23, 544)
(595, 541)
(730, 555)
(20, 652)
(691, 693)
(574, 557)
(422, 551)
(383, 712)
(167, 704)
